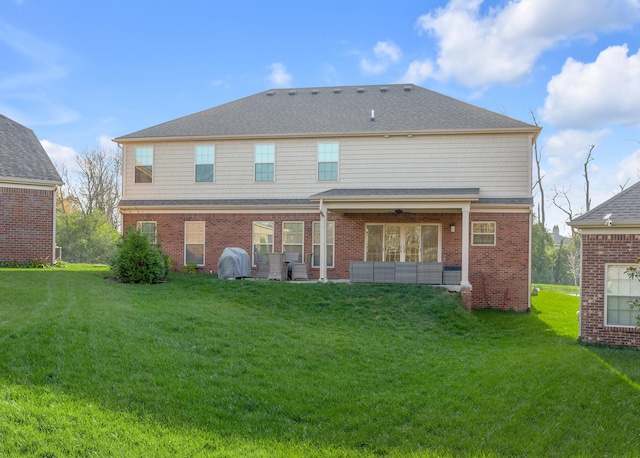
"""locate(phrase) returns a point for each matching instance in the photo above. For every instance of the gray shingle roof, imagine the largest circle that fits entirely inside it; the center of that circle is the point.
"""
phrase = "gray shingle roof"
(624, 208)
(22, 156)
(228, 203)
(335, 110)
(420, 193)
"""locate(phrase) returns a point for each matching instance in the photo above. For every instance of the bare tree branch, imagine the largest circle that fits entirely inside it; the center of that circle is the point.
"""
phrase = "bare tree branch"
(538, 183)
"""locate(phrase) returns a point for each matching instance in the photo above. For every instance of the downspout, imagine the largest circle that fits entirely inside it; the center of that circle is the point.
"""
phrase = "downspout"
(55, 195)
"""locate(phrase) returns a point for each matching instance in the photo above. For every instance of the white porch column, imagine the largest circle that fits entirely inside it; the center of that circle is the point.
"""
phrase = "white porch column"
(323, 242)
(465, 247)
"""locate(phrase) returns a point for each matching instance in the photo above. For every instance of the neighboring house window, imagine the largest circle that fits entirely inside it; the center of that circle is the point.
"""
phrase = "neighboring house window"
(265, 162)
(327, 162)
(205, 162)
(144, 165)
(262, 237)
(293, 238)
(148, 228)
(483, 233)
(194, 242)
(330, 243)
(620, 291)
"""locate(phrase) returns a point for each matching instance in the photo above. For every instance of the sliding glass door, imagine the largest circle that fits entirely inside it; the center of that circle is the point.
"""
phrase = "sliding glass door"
(402, 242)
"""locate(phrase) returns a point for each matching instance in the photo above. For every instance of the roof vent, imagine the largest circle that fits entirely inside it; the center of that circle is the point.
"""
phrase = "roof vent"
(373, 115)
(407, 89)
(314, 91)
(292, 92)
(270, 93)
(337, 91)
(384, 89)
(360, 90)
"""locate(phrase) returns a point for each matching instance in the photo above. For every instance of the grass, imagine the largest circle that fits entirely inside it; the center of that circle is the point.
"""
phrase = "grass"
(202, 367)
(564, 289)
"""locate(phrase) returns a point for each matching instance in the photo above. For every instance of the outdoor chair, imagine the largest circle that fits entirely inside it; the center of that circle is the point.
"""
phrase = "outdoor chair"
(277, 266)
(300, 270)
(262, 266)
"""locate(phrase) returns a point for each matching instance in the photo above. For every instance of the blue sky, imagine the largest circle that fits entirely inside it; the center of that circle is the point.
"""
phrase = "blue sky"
(81, 73)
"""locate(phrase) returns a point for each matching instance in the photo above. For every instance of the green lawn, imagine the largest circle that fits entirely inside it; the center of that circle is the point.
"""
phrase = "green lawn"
(202, 367)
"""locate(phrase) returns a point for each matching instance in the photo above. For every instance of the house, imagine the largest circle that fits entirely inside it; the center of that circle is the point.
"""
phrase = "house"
(379, 173)
(610, 236)
(28, 182)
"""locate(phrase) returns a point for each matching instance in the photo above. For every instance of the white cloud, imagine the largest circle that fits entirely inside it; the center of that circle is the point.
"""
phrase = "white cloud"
(418, 72)
(600, 93)
(279, 76)
(503, 45)
(629, 169)
(566, 153)
(386, 53)
(61, 156)
(105, 143)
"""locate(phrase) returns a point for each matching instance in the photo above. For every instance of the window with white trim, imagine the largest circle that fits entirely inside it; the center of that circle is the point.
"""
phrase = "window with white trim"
(620, 291)
(483, 233)
(330, 243)
(328, 154)
(148, 228)
(262, 234)
(144, 165)
(194, 242)
(205, 164)
(293, 238)
(265, 162)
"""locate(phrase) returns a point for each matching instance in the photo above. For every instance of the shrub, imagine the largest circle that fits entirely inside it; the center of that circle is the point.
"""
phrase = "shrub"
(137, 260)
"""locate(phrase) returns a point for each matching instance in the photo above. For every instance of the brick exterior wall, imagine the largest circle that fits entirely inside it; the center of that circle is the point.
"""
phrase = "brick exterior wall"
(26, 224)
(499, 274)
(597, 250)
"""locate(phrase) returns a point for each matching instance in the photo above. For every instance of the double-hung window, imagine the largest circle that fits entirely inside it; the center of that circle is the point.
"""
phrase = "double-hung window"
(293, 238)
(620, 290)
(148, 228)
(144, 165)
(265, 160)
(205, 164)
(328, 161)
(194, 242)
(330, 244)
(483, 233)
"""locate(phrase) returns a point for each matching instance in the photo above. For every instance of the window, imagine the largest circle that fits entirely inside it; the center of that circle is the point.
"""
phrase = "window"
(403, 242)
(330, 243)
(293, 238)
(620, 291)
(148, 228)
(262, 237)
(194, 242)
(483, 233)
(327, 162)
(265, 162)
(205, 160)
(144, 165)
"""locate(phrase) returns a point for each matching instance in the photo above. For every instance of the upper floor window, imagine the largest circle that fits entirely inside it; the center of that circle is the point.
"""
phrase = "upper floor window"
(328, 161)
(205, 162)
(144, 165)
(148, 228)
(265, 162)
(483, 233)
(621, 290)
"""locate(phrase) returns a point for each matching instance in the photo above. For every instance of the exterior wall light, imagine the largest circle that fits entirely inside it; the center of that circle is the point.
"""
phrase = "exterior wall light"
(452, 226)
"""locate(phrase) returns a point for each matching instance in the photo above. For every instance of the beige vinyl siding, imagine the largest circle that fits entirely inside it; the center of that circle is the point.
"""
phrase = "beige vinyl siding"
(500, 165)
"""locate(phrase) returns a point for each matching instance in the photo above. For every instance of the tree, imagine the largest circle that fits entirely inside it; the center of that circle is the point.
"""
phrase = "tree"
(86, 238)
(633, 272)
(574, 259)
(94, 184)
(541, 262)
(538, 183)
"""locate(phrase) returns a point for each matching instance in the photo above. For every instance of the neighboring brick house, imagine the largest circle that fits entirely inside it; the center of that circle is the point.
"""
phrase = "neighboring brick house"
(610, 244)
(394, 173)
(28, 182)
